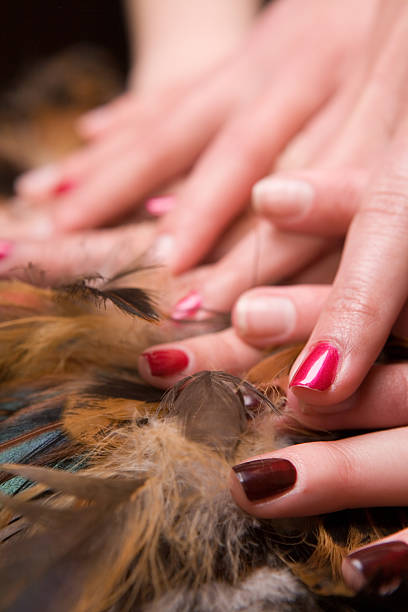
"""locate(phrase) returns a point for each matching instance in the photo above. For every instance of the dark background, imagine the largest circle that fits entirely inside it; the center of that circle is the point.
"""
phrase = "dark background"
(32, 30)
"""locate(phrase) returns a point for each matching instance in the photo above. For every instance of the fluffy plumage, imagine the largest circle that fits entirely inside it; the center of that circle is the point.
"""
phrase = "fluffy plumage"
(120, 499)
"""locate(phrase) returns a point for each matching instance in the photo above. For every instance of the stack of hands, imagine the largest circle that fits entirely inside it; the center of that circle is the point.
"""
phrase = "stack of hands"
(318, 98)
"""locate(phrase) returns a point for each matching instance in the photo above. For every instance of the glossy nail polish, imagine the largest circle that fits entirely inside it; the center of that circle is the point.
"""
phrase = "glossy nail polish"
(159, 206)
(318, 370)
(64, 187)
(166, 362)
(263, 478)
(188, 306)
(5, 248)
(379, 569)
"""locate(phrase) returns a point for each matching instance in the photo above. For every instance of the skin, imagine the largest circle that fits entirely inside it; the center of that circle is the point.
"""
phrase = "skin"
(360, 309)
(116, 172)
(362, 306)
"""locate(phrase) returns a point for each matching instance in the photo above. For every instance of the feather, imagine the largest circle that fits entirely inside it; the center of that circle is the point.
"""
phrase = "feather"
(129, 300)
(212, 407)
(133, 504)
(96, 490)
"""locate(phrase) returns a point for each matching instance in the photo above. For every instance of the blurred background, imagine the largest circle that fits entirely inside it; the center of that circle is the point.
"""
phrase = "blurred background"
(35, 29)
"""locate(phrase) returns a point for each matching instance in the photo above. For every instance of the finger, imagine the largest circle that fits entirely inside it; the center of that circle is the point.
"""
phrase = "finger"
(381, 104)
(52, 181)
(151, 126)
(269, 316)
(379, 568)
(159, 156)
(97, 122)
(322, 271)
(314, 201)
(164, 364)
(320, 477)
(263, 255)
(379, 403)
(240, 155)
(367, 295)
(104, 251)
(318, 134)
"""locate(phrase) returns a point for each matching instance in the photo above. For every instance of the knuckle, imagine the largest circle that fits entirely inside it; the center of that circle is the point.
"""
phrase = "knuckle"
(353, 304)
(389, 200)
(345, 464)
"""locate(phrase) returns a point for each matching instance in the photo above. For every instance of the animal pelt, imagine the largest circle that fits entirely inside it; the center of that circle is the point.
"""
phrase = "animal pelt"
(115, 496)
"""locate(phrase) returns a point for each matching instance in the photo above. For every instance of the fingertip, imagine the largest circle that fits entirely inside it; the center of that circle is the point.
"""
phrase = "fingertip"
(263, 318)
(237, 491)
(352, 575)
(93, 123)
(38, 184)
(317, 370)
(283, 198)
(163, 365)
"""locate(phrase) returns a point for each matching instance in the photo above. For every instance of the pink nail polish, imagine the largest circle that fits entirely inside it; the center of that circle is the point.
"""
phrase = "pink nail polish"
(188, 306)
(64, 187)
(159, 206)
(319, 369)
(5, 248)
(166, 362)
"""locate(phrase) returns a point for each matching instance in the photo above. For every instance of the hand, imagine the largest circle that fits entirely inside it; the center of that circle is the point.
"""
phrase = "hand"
(362, 471)
(367, 190)
(230, 132)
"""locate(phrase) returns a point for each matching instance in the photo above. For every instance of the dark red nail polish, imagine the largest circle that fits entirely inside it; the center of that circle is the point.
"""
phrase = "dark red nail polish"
(379, 569)
(64, 187)
(188, 306)
(263, 478)
(166, 362)
(319, 369)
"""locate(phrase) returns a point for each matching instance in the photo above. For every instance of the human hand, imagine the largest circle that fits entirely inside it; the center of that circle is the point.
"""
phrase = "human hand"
(371, 286)
(362, 471)
(112, 174)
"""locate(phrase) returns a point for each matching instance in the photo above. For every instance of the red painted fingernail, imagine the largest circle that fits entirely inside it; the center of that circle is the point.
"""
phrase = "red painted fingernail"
(263, 478)
(319, 369)
(64, 187)
(160, 206)
(5, 248)
(379, 569)
(166, 362)
(187, 306)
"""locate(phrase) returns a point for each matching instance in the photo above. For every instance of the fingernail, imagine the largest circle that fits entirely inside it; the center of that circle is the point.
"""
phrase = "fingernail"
(158, 207)
(166, 362)
(282, 197)
(269, 317)
(187, 306)
(319, 369)
(40, 181)
(379, 569)
(5, 248)
(64, 187)
(162, 249)
(263, 478)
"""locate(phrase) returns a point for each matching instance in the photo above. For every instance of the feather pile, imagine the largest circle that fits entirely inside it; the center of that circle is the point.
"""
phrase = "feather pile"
(114, 497)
